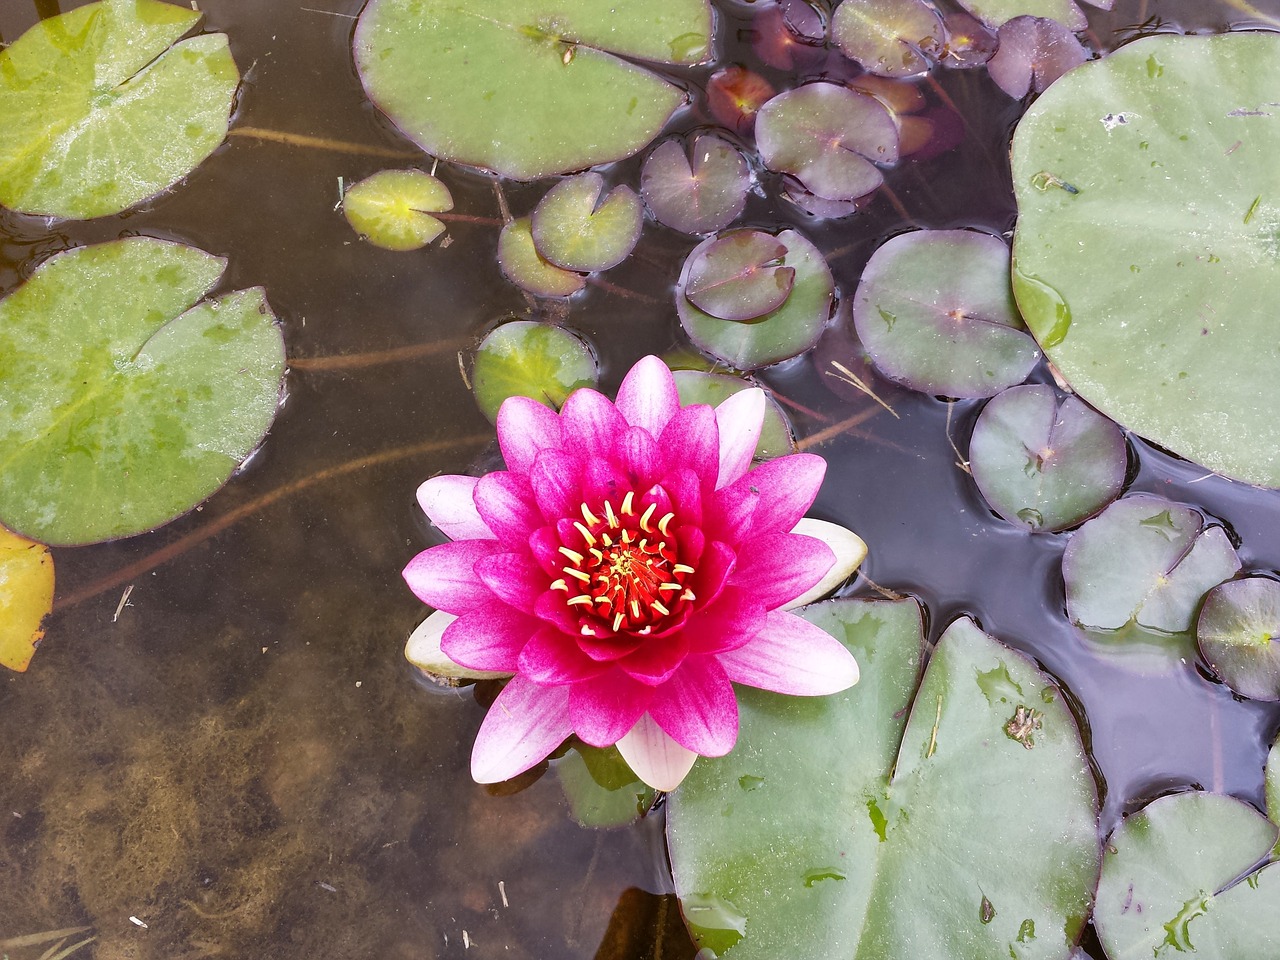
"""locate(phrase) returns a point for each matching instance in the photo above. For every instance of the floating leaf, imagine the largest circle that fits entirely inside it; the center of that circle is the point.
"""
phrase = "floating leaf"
(968, 43)
(528, 88)
(26, 598)
(789, 34)
(1239, 635)
(602, 790)
(739, 276)
(935, 311)
(789, 330)
(735, 95)
(393, 208)
(996, 12)
(1168, 882)
(525, 358)
(1147, 198)
(827, 136)
(700, 193)
(102, 107)
(966, 829)
(1032, 53)
(576, 230)
(526, 268)
(891, 38)
(1045, 464)
(1273, 788)
(697, 386)
(126, 402)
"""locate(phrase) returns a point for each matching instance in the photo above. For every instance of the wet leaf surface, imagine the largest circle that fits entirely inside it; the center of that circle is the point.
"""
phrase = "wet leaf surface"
(700, 192)
(891, 38)
(996, 12)
(601, 789)
(1032, 53)
(739, 276)
(26, 598)
(697, 386)
(1238, 632)
(525, 358)
(577, 230)
(392, 209)
(522, 264)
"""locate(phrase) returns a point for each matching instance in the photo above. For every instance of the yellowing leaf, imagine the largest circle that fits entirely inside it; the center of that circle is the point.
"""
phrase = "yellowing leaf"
(26, 597)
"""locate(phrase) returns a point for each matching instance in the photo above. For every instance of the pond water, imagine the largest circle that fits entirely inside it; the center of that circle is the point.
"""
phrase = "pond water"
(219, 749)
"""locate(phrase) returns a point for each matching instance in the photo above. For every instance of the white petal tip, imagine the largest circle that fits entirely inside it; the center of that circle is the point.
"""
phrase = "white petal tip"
(423, 651)
(654, 757)
(850, 551)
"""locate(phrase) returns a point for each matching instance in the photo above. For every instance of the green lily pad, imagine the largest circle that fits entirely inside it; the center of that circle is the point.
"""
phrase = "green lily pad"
(739, 276)
(1273, 788)
(890, 38)
(601, 789)
(392, 209)
(785, 332)
(522, 264)
(1239, 635)
(1169, 883)
(1146, 252)
(997, 12)
(964, 829)
(697, 386)
(102, 107)
(576, 230)
(124, 402)
(528, 88)
(935, 311)
(525, 358)
(698, 193)
(1045, 464)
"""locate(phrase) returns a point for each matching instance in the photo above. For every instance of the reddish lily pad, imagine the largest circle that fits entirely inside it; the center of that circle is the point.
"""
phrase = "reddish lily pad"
(735, 95)
(576, 230)
(968, 43)
(698, 193)
(891, 38)
(1043, 463)
(789, 34)
(698, 386)
(26, 598)
(935, 311)
(525, 358)
(1033, 52)
(526, 268)
(1239, 635)
(392, 209)
(739, 276)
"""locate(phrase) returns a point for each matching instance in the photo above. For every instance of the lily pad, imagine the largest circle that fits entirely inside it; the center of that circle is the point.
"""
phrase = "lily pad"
(601, 789)
(996, 12)
(891, 38)
(528, 88)
(966, 828)
(423, 651)
(699, 193)
(26, 598)
(785, 332)
(1043, 463)
(968, 43)
(393, 208)
(125, 401)
(576, 230)
(1146, 252)
(697, 386)
(1273, 789)
(1171, 882)
(828, 137)
(103, 106)
(935, 311)
(1032, 53)
(1239, 635)
(522, 264)
(735, 95)
(525, 358)
(739, 276)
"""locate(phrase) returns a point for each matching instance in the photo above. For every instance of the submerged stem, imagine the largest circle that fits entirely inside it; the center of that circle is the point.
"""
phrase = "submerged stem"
(319, 143)
(354, 361)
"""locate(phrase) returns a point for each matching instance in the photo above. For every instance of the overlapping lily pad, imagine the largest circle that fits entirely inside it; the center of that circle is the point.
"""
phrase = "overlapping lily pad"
(1032, 53)
(525, 358)
(104, 106)
(125, 401)
(1239, 635)
(698, 193)
(528, 88)
(698, 386)
(601, 789)
(393, 208)
(1146, 245)
(891, 38)
(966, 828)
(575, 229)
(524, 266)
(26, 598)
(739, 276)
(996, 12)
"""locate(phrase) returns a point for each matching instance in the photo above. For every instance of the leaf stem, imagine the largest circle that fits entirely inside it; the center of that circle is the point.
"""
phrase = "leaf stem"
(320, 143)
(355, 361)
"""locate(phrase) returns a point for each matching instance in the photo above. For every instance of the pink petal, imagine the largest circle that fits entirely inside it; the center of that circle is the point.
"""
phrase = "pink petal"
(733, 620)
(697, 707)
(514, 578)
(590, 424)
(424, 651)
(525, 723)
(447, 501)
(505, 502)
(640, 458)
(691, 440)
(778, 567)
(714, 568)
(556, 479)
(526, 427)
(656, 759)
(489, 639)
(685, 491)
(738, 420)
(648, 397)
(791, 655)
(787, 487)
(657, 658)
(732, 509)
(445, 576)
(552, 657)
(604, 708)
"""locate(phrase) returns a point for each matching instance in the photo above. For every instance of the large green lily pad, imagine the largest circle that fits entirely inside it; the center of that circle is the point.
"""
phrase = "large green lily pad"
(101, 107)
(528, 88)
(1147, 251)
(842, 827)
(123, 400)
(996, 12)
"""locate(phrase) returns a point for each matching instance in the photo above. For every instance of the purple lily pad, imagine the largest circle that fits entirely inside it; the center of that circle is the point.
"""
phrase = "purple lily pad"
(1046, 464)
(576, 230)
(935, 311)
(739, 276)
(1239, 635)
(967, 42)
(789, 34)
(700, 193)
(526, 268)
(829, 138)
(891, 38)
(1033, 52)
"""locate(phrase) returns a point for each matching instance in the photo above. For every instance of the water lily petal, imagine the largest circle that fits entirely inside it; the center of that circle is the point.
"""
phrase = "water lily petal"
(605, 707)
(654, 757)
(590, 423)
(731, 511)
(738, 419)
(692, 441)
(791, 655)
(526, 427)
(731, 621)
(647, 397)
(697, 707)
(507, 507)
(848, 548)
(552, 656)
(556, 480)
(447, 502)
(714, 569)
(525, 723)
(444, 576)
(514, 578)
(489, 639)
(655, 660)
(787, 487)
(779, 567)
(640, 458)
(424, 652)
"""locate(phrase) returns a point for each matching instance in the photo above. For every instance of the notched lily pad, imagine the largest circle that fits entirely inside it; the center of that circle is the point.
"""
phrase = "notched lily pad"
(891, 38)
(576, 230)
(1032, 53)
(935, 311)
(699, 193)
(26, 598)
(525, 358)
(1239, 635)
(739, 276)
(104, 106)
(697, 386)
(125, 401)
(392, 209)
(522, 264)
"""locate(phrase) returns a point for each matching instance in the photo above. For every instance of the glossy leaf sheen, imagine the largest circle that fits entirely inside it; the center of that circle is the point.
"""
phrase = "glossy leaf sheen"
(996, 12)
(26, 598)
(890, 38)
(393, 208)
(1032, 53)
(525, 358)
(739, 276)
(697, 386)
(1239, 635)
(576, 230)
(526, 268)
(699, 193)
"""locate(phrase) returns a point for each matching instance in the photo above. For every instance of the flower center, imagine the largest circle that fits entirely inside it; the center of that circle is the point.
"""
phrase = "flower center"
(625, 574)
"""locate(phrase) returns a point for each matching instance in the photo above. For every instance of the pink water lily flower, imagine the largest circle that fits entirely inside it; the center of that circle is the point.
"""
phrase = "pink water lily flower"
(627, 570)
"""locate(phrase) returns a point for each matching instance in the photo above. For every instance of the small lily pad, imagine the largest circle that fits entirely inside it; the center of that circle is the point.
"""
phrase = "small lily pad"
(525, 358)
(522, 264)
(699, 193)
(26, 598)
(789, 34)
(1032, 53)
(601, 788)
(393, 208)
(968, 43)
(1273, 789)
(735, 95)
(1045, 464)
(576, 230)
(739, 276)
(1239, 635)
(125, 401)
(890, 38)
(104, 106)
(935, 311)
(697, 386)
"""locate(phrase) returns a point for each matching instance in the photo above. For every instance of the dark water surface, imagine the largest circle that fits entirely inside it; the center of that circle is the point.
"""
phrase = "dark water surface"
(239, 758)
